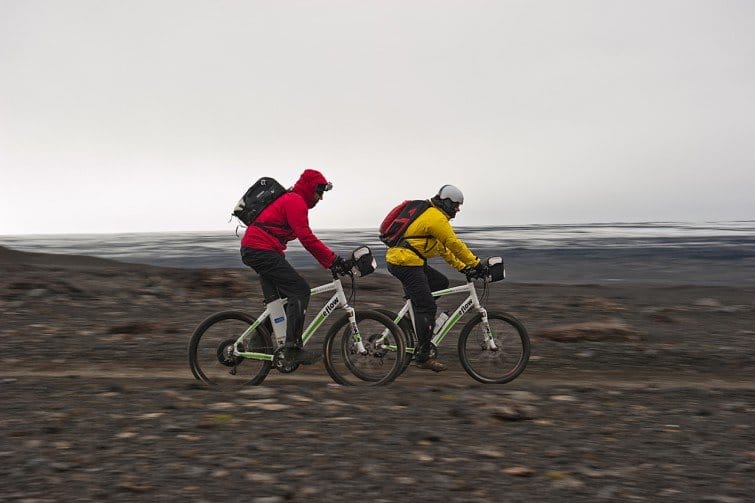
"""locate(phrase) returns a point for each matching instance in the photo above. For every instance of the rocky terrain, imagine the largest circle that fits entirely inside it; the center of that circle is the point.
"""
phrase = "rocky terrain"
(632, 393)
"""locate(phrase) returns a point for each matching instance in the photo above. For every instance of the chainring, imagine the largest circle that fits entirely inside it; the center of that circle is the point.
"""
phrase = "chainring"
(280, 363)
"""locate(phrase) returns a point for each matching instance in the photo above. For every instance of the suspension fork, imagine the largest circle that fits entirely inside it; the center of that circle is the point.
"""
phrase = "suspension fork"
(487, 334)
(355, 330)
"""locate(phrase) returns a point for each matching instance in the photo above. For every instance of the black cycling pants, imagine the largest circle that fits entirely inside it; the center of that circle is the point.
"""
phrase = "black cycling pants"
(279, 279)
(419, 282)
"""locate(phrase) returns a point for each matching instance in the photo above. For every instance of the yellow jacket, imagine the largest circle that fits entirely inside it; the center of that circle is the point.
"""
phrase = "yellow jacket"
(440, 240)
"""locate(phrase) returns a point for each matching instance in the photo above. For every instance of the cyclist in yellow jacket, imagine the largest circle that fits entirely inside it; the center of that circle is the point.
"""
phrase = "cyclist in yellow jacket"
(430, 235)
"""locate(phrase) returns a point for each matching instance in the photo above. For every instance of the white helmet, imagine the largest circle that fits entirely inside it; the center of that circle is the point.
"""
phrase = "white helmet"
(452, 193)
(448, 199)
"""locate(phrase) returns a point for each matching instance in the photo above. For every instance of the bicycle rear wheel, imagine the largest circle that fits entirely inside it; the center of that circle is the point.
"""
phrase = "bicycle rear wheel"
(506, 361)
(380, 362)
(405, 324)
(211, 351)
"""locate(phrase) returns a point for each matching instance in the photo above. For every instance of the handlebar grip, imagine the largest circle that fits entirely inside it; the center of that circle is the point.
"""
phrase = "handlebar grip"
(345, 270)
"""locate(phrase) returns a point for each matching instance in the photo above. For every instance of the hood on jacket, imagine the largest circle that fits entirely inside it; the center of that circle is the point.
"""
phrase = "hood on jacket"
(307, 184)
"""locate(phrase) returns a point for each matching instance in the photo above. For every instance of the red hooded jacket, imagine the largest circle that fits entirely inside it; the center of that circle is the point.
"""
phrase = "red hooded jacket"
(287, 219)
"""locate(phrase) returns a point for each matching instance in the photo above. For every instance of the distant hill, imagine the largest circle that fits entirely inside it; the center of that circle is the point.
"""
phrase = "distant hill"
(15, 257)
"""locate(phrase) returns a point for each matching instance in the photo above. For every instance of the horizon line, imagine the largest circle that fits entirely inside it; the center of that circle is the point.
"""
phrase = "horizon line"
(362, 229)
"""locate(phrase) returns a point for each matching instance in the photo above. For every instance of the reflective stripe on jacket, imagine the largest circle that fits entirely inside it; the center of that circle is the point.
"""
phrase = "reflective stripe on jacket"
(438, 238)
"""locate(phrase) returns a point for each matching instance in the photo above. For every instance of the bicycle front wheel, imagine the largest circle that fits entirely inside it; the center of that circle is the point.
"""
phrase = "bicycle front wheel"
(211, 351)
(377, 362)
(500, 360)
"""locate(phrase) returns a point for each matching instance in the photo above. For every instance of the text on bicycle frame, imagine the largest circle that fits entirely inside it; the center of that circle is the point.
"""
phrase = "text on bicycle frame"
(330, 307)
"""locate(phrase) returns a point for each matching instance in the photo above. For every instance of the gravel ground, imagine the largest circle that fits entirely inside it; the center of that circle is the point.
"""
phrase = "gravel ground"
(650, 399)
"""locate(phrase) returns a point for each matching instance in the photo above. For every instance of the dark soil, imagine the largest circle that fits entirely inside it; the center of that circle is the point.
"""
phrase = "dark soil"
(652, 399)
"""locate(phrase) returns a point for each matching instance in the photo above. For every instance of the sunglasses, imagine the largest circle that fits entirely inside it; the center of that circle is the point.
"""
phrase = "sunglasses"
(322, 187)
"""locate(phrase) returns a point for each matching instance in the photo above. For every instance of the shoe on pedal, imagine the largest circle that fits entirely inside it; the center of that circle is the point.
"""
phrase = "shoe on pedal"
(301, 356)
(432, 364)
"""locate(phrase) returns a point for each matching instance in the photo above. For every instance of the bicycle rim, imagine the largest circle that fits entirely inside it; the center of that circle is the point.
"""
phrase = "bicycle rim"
(502, 364)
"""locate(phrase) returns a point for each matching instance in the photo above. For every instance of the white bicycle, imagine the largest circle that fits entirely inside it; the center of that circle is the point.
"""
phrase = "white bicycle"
(493, 346)
(234, 348)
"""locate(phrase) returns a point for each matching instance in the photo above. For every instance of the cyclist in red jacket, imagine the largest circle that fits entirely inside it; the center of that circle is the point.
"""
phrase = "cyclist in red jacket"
(263, 246)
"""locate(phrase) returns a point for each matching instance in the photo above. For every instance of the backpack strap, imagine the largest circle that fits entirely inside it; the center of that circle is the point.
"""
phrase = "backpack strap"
(266, 226)
(405, 244)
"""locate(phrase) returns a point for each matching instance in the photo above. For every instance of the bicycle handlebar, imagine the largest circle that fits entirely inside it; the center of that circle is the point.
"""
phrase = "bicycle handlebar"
(472, 274)
(472, 277)
(491, 270)
(348, 266)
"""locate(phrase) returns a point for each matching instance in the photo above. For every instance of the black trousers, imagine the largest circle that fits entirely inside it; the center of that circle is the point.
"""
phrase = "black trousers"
(280, 280)
(419, 282)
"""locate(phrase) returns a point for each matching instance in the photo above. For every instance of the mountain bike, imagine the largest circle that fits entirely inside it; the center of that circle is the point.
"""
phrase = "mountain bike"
(232, 348)
(493, 346)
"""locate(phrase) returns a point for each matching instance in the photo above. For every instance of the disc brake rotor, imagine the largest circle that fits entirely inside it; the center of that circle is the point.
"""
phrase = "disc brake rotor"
(225, 354)
(375, 349)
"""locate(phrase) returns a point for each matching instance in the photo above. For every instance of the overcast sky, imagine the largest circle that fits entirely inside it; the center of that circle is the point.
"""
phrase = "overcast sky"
(121, 116)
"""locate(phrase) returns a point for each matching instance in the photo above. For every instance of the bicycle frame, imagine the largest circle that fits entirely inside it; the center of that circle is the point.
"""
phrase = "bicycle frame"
(472, 301)
(337, 301)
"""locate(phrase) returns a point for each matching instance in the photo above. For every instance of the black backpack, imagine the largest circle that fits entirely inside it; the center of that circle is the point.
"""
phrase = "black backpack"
(398, 220)
(257, 198)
